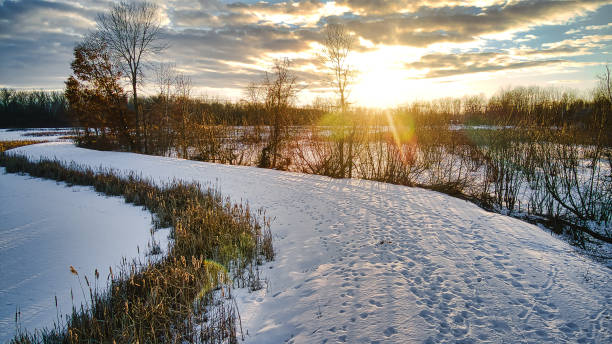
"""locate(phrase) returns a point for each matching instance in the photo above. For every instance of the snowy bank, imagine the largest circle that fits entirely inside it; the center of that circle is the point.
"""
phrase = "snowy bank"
(360, 261)
(45, 227)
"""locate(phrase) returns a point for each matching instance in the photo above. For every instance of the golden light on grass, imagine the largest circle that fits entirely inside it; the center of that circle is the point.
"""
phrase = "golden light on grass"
(395, 133)
(403, 135)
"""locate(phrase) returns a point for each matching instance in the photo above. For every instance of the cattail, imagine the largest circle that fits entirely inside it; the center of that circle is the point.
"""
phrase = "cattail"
(73, 270)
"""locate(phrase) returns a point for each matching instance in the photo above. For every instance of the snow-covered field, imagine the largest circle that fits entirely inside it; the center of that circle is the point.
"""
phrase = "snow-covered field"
(366, 262)
(35, 134)
(45, 227)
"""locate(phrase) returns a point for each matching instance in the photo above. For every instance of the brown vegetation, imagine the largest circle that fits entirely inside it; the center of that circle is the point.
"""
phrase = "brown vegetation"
(6, 145)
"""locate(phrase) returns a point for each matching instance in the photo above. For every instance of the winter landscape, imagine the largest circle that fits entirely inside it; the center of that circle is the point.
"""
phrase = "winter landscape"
(305, 172)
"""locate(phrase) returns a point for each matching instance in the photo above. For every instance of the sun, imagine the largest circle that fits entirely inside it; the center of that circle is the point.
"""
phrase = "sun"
(382, 79)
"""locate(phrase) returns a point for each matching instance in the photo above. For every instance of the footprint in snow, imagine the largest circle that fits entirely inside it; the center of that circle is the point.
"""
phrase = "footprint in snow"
(390, 331)
(375, 303)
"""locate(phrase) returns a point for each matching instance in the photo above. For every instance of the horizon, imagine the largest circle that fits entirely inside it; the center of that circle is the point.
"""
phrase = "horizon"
(406, 51)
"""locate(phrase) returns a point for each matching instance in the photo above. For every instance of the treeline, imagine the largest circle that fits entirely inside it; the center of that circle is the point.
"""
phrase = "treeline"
(519, 106)
(245, 113)
(541, 106)
(534, 106)
(33, 109)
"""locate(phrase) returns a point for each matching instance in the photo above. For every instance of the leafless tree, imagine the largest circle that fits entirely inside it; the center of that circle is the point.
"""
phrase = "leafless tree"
(131, 32)
(337, 47)
(605, 83)
(253, 93)
(279, 89)
(182, 112)
(165, 78)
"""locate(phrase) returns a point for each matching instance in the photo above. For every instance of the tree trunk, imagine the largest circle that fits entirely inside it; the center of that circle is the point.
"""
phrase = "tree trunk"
(138, 118)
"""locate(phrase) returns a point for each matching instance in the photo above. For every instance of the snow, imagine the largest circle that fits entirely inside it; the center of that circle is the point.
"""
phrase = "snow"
(34, 134)
(366, 262)
(45, 227)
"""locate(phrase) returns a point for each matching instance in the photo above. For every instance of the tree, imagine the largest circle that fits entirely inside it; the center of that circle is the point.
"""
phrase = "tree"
(278, 90)
(183, 113)
(165, 78)
(337, 47)
(605, 84)
(97, 100)
(131, 31)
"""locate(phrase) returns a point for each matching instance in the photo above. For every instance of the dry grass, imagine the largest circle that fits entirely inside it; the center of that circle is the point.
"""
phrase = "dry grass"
(6, 145)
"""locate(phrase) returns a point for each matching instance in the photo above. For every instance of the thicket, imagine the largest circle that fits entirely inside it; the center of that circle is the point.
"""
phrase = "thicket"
(186, 296)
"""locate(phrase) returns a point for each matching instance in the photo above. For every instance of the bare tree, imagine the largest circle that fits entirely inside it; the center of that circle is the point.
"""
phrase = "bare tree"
(279, 88)
(605, 83)
(165, 77)
(182, 112)
(253, 93)
(131, 32)
(337, 47)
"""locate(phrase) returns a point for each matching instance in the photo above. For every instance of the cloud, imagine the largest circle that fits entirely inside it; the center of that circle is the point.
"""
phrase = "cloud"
(37, 38)
(403, 6)
(599, 27)
(586, 45)
(464, 24)
(552, 53)
(444, 65)
(589, 28)
(305, 7)
(36, 17)
(590, 41)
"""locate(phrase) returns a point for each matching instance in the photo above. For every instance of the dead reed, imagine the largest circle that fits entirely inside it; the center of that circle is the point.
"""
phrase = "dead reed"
(6, 145)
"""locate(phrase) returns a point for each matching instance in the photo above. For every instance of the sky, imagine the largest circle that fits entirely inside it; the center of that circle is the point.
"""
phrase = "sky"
(405, 51)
